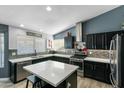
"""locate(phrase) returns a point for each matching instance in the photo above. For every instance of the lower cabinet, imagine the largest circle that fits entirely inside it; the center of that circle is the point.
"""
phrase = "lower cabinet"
(17, 73)
(54, 58)
(96, 70)
(60, 59)
(40, 60)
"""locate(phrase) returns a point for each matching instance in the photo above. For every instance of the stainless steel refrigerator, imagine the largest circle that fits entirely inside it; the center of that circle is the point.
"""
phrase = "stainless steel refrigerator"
(116, 56)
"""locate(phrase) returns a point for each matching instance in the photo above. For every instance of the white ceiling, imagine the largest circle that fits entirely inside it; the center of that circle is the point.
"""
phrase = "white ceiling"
(35, 17)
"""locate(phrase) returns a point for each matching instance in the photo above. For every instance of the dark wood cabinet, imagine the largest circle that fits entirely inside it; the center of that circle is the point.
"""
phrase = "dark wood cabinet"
(100, 40)
(89, 41)
(95, 41)
(97, 70)
(69, 42)
(40, 60)
(60, 59)
(54, 58)
(109, 38)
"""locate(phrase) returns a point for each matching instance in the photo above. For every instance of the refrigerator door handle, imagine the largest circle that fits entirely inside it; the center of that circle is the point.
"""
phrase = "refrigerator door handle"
(112, 69)
(110, 53)
(112, 81)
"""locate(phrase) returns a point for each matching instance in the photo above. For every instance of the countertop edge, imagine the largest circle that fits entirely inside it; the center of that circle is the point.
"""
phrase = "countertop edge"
(100, 60)
(29, 58)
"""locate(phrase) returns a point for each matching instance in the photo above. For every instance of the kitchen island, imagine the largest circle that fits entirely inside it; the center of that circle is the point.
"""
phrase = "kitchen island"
(17, 73)
(55, 73)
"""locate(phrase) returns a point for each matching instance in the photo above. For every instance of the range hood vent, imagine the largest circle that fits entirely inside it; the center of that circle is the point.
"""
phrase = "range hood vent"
(79, 32)
(34, 34)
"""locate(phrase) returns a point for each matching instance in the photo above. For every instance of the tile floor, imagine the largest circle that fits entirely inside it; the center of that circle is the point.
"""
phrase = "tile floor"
(82, 83)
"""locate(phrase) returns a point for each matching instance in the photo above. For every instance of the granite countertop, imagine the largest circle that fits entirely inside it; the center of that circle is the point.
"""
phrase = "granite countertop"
(63, 55)
(59, 55)
(97, 59)
(38, 57)
(52, 72)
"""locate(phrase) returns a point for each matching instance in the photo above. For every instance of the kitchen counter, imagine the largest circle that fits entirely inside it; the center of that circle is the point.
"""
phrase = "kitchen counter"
(52, 72)
(97, 59)
(62, 55)
(38, 57)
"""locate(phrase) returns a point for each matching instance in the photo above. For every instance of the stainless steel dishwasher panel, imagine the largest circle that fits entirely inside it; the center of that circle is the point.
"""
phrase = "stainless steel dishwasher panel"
(21, 73)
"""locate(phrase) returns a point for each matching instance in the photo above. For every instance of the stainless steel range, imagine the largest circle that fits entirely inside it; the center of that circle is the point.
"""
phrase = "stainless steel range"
(77, 59)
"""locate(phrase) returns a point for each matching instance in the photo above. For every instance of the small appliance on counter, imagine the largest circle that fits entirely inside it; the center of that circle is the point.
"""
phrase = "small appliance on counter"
(80, 47)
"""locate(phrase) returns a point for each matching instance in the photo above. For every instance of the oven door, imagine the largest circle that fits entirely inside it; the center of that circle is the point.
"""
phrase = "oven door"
(78, 63)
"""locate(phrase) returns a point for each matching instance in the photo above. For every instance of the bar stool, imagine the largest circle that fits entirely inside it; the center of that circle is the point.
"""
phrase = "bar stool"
(36, 82)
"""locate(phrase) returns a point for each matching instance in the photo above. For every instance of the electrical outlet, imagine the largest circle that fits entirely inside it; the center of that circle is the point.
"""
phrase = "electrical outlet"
(13, 53)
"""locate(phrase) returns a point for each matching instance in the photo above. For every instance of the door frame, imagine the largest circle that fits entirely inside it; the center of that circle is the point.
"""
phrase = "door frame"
(5, 72)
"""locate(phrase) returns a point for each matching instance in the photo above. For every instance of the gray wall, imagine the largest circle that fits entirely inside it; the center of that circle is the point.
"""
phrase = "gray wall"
(63, 34)
(107, 22)
(4, 72)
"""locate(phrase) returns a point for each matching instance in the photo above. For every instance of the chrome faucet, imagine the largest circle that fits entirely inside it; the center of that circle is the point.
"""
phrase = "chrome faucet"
(35, 52)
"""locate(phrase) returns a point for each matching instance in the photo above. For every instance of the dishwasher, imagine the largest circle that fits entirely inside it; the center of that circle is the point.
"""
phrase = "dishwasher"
(20, 72)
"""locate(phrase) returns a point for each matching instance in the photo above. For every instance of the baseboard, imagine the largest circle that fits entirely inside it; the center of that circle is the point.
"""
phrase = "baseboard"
(4, 79)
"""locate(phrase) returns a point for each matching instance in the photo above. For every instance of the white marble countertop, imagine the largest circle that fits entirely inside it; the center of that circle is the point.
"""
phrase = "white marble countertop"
(97, 59)
(62, 55)
(52, 72)
(40, 56)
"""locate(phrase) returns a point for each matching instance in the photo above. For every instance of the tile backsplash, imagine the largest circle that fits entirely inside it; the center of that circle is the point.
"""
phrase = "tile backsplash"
(13, 54)
(98, 53)
(91, 53)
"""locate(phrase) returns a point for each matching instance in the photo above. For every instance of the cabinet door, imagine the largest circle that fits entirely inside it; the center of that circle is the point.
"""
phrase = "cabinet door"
(69, 42)
(103, 40)
(88, 69)
(99, 41)
(39, 60)
(65, 42)
(89, 41)
(94, 40)
(109, 38)
(105, 46)
(107, 73)
(99, 71)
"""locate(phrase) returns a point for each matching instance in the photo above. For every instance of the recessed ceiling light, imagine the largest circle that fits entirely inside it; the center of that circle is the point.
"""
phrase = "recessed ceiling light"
(21, 25)
(41, 30)
(48, 8)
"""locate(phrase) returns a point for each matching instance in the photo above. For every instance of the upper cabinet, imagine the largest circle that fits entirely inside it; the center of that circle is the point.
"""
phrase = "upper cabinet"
(13, 34)
(69, 42)
(100, 40)
(40, 45)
